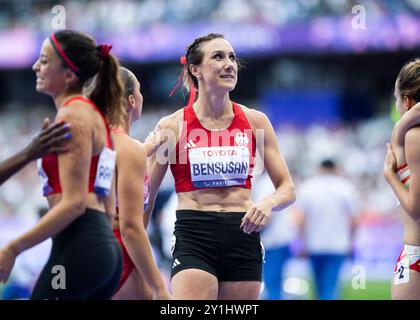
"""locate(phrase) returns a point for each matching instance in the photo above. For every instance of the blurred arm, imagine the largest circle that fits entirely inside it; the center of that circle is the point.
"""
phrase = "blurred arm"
(48, 140)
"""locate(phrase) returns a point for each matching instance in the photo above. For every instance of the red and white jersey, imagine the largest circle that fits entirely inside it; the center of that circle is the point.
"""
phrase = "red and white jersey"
(48, 166)
(214, 158)
(404, 174)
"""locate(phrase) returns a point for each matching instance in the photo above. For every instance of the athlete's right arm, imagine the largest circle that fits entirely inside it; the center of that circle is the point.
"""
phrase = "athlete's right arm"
(50, 139)
(167, 128)
(410, 119)
(74, 174)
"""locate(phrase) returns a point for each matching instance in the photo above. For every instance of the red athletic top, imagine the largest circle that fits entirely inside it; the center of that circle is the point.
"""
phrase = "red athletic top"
(214, 158)
(404, 174)
(48, 170)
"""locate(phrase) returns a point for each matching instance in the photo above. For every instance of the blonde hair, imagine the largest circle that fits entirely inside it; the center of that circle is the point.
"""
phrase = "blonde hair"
(408, 80)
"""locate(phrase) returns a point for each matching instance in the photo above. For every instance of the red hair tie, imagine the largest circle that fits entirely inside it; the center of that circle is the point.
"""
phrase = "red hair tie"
(104, 50)
(193, 91)
(182, 60)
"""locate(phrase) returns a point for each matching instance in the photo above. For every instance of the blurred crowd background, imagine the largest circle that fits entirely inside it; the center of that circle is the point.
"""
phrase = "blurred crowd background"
(322, 70)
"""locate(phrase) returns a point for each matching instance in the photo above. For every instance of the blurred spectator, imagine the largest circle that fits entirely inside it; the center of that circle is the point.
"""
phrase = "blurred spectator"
(329, 204)
(94, 15)
(165, 228)
(29, 265)
(167, 225)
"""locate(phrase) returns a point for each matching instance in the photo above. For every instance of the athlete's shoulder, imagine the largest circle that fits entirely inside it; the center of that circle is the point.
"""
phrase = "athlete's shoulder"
(78, 102)
(171, 121)
(76, 108)
(77, 115)
(128, 149)
(257, 118)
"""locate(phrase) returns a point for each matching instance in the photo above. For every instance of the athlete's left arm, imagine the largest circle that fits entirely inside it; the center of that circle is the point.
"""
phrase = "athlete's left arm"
(410, 119)
(409, 198)
(259, 214)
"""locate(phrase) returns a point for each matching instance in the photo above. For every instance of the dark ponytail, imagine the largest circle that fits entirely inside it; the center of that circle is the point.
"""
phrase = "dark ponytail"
(88, 61)
(109, 91)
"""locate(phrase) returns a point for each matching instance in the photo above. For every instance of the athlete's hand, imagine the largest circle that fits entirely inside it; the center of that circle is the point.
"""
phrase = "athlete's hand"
(257, 217)
(7, 260)
(152, 142)
(390, 162)
(50, 139)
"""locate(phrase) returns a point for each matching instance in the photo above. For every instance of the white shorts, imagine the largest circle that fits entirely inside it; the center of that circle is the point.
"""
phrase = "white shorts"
(408, 259)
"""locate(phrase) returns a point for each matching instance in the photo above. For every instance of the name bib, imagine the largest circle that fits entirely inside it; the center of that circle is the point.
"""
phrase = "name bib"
(402, 275)
(146, 192)
(105, 172)
(213, 167)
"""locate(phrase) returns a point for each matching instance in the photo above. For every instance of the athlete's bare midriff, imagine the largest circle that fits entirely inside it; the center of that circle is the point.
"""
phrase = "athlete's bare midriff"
(411, 229)
(228, 199)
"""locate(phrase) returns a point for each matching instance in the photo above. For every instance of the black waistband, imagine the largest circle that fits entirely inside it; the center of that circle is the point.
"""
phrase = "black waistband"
(227, 217)
(91, 223)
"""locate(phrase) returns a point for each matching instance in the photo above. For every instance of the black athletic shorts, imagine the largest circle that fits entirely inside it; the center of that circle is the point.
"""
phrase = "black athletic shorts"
(213, 242)
(85, 261)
